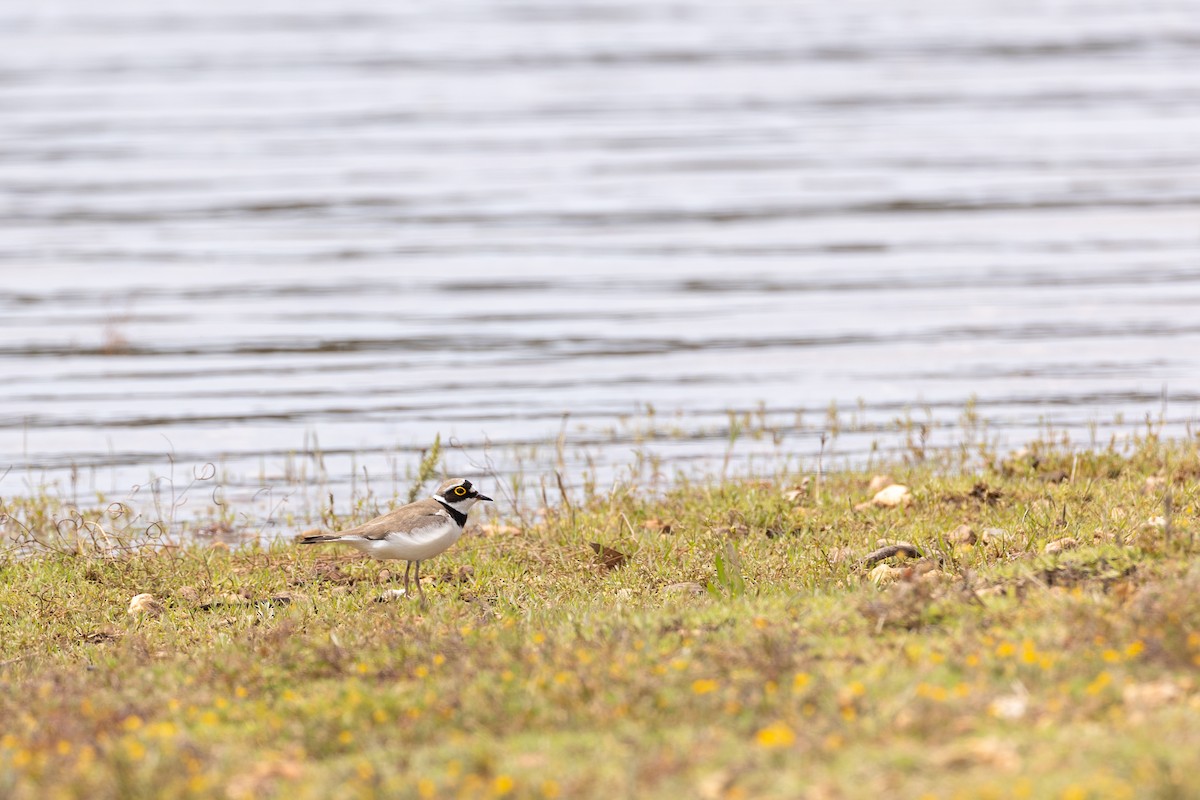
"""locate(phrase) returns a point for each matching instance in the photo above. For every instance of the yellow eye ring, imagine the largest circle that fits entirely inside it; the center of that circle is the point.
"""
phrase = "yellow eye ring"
(460, 491)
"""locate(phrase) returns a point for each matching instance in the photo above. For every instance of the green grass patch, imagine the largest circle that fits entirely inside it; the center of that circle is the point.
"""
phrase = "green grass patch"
(726, 639)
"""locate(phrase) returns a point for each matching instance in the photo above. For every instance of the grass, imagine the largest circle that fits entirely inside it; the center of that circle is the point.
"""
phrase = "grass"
(726, 639)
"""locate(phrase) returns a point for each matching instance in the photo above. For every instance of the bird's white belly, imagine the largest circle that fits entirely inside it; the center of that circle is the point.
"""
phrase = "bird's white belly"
(413, 545)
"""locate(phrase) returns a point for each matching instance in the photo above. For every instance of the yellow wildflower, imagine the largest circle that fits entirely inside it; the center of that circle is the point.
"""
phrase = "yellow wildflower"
(775, 736)
(1097, 685)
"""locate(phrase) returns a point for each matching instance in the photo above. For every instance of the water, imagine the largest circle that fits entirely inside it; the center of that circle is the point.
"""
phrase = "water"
(239, 233)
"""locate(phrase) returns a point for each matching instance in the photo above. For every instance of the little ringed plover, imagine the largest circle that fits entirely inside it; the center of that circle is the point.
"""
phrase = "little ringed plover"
(415, 532)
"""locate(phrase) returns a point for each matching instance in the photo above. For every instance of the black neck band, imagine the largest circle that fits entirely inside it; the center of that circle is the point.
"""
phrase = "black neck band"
(455, 514)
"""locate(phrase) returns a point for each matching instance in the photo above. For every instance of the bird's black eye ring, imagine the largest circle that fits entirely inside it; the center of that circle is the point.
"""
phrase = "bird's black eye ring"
(460, 491)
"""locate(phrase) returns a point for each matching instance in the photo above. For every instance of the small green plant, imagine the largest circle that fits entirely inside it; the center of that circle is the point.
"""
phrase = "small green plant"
(427, 469)
(729, 584)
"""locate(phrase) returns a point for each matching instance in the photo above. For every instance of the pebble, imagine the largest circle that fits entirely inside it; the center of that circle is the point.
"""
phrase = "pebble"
(997, 536)
(885, 574)
(1060, 545)
(145, 604)
(963, 534)
(895, 495)
(880, 482)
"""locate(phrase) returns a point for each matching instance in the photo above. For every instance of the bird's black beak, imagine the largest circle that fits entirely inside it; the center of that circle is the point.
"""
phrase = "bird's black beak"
(479, 496)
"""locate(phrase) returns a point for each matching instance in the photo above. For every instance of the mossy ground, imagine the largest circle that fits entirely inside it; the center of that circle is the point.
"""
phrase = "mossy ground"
(539, 668)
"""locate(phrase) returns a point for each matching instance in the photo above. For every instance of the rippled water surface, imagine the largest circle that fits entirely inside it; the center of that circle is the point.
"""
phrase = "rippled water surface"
(237, 232)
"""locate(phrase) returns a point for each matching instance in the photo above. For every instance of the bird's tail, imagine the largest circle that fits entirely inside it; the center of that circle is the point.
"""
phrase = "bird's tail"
(317, 538)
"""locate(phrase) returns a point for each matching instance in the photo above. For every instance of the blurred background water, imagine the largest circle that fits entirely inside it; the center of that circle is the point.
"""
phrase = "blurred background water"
(252, 233)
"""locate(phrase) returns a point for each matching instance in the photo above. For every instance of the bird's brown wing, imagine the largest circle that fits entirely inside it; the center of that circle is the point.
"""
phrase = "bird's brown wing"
(410, 517)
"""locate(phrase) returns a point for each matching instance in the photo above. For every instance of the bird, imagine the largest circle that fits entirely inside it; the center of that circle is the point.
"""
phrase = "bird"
(414, 532)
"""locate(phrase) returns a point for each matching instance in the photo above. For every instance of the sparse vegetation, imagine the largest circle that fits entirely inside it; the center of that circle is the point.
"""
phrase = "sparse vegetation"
(723, 639)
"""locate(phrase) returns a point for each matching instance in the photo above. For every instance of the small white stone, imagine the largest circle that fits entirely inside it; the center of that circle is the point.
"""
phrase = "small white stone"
(963, 534)
(1011, 706)
(997, 536)
(895, 495)
(884, 574)
(1142, 696)
(880, 482)
(145, 604)
(1060, 545)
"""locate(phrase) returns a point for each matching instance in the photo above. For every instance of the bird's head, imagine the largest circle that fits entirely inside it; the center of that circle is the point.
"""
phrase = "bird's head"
(459, 494)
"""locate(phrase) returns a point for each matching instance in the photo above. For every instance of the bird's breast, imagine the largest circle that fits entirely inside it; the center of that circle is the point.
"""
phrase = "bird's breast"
(419, 544)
